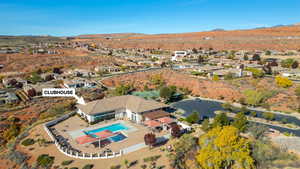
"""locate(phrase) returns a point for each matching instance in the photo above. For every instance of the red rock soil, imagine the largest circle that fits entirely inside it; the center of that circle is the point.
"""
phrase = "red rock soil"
(284, 100)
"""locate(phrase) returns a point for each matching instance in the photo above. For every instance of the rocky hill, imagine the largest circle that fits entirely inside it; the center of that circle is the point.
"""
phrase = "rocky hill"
(278, 37)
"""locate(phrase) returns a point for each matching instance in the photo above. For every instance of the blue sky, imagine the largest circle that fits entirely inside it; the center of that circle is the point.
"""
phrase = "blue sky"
(74, 17)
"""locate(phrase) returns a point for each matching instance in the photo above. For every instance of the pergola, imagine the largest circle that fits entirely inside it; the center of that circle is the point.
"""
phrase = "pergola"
(90, 138)
(152, 123)
(165, 120)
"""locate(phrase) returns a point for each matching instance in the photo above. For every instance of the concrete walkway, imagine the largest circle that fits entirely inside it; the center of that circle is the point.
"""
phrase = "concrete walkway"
(143, 145)
(134, 148)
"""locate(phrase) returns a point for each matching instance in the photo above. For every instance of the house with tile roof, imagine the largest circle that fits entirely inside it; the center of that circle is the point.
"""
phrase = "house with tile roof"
(129, 107)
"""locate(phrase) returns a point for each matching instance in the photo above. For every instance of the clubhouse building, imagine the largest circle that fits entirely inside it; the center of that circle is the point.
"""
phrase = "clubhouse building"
(128, 107)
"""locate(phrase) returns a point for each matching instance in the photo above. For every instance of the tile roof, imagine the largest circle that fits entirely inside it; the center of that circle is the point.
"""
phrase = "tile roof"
(156, 114)
(133, 103)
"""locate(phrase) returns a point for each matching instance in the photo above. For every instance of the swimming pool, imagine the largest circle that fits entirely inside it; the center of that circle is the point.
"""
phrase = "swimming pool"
(113, 128)
(118, 137)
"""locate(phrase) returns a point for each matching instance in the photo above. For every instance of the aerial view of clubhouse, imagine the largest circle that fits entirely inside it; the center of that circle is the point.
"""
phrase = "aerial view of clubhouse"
(110, 127)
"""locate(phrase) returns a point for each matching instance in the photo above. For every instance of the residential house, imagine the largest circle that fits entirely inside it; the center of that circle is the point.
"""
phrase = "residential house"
(235, 72)
(8, 97)
(79, 83)
(208, 68)
(13, 82)
(109, 69)
(82, 73)
(294, 73)
(178, 55)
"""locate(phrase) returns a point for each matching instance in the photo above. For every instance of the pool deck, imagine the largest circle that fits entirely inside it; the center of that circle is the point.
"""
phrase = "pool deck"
(77, 133)
(73, 125)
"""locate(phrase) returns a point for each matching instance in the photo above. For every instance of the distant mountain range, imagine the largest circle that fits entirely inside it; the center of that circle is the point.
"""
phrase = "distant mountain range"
(278, 37)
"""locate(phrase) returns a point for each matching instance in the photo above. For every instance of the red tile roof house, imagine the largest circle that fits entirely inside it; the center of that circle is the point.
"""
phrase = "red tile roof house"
(129, 107)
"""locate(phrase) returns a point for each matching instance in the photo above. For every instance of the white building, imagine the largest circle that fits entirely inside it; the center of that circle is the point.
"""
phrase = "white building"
(178, 55)
(130, 107)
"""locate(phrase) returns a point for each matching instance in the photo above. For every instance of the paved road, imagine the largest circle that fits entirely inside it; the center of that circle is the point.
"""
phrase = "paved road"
(207, 108)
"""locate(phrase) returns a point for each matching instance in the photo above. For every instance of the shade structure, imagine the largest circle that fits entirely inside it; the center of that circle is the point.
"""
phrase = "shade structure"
(156, 114)
(85, 139)
(94, 137)
(105, 134)
(165, 120)
(152, 123)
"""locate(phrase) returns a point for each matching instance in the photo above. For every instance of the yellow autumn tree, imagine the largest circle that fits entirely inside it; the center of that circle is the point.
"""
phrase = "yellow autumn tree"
(223, 147)
(283, 81)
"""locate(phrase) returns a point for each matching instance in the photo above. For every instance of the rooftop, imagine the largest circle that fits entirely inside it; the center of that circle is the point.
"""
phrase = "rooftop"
(133, 103)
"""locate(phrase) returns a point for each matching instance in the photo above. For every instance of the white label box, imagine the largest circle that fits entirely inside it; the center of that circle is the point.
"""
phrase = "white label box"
(58, 92)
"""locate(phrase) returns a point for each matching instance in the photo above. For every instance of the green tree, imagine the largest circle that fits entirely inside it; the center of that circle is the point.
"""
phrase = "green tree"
(206, 125)
(123, 89)
(240, 122)
(229, 76)
(193, 118)
(256, 57)
(221, 120)
(223, 147)
(256, 97)
(215, 78)
(288, 63)
(157, 79)
(268, 52)
(256, 73)
(185, 144)
(167, 92)
(227, 106)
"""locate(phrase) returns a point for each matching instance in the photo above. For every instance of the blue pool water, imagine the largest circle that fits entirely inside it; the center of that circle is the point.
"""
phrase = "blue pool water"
(113, 128)
(117, 138)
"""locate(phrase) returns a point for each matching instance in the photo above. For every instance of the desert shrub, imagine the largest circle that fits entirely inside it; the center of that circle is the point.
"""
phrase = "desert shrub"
(17, 157)
(266, 155)
(240, 122)
(227, 106)
(185, 144)
(88, 166)
(74, 168)
(257, 131)
(284, 120)
(257, 97)
(253, 114)
(67, 162)
(115, 167)
(123, 89)
(28, 142)
(45, 161)
(12, 132)
(289, 63)
(288, 134)
(283, 82)
(229, 76)
(58, 109)
(268, 116)
(152, 158)
(161, 167)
